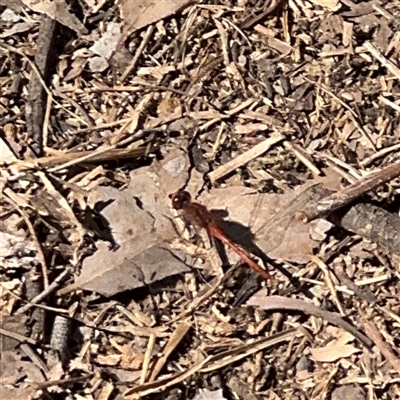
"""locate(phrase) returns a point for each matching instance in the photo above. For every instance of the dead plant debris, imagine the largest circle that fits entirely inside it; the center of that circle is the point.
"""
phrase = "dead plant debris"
(280, 117)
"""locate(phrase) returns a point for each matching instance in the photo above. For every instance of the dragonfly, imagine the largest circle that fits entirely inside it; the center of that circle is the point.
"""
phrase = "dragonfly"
(198, 215)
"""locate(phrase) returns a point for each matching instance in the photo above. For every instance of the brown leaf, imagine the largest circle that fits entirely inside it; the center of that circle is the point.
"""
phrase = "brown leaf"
(132, 358)
(57, 10)
(277, 233)
(141, 224)
(137, 15)
(210, 395)
(12, 323)
(333, 353)
(13, 369)
(15, 5)
(142, 263)
(26, 392)
(331, 5)
(21, 27)
(109, 360)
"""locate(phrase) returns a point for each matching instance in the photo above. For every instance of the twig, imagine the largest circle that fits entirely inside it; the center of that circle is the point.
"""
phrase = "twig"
(380, 154)
(33, 287)
(302, 155)
(272, 303)
(92, 155)
(373, 223)
(382, 59)
(340, 199)
(176, 337)
(373, 332)
(251, 21)
(329, 282)
(35, 106)
(59, 340)
(46, 292)
(138, 53)
(75, 158)
(353, 115)
(147, 358)
(244, 158)
(17, 336)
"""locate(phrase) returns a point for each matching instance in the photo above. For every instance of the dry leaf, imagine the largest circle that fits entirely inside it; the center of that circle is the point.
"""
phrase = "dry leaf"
(16, 251)
(109, 360)
(138, 14)
(25, 392)
(333, 353)
(59, 11)
(140, 223)
(13, 368)
(341, 337)
(105, 47)
(210, 395)
(15, 29)
(12, 323)
(132, 358)
(6, 153)
(277, 233)
(331, 5)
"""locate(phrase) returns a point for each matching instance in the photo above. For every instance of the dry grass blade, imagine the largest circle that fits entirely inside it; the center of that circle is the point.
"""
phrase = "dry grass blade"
(384, 348)
(212, 363)
(244, 158)
(177, 336)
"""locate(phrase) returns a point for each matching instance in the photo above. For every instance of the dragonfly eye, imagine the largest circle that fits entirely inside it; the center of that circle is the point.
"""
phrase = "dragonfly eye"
(180, 199)
(185, 196)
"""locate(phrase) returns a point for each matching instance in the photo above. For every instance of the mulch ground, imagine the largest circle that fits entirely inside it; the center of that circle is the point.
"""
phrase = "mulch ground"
(282, 113)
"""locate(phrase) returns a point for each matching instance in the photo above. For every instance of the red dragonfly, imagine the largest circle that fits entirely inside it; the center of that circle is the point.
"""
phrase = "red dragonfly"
(199, 215)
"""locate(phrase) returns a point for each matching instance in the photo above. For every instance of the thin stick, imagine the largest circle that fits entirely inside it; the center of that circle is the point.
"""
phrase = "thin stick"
(382, 59)
(244, 158)
(373, 332)
(340, 199)
(138, 53)
(53, 286)
(147, 358)
(329, 282)
(17, 336)
(91, 155)
(353, 115)
(380, 154)
(303, 156)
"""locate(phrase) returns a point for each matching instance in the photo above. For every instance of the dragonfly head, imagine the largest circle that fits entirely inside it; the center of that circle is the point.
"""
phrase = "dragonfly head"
(179, 199)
